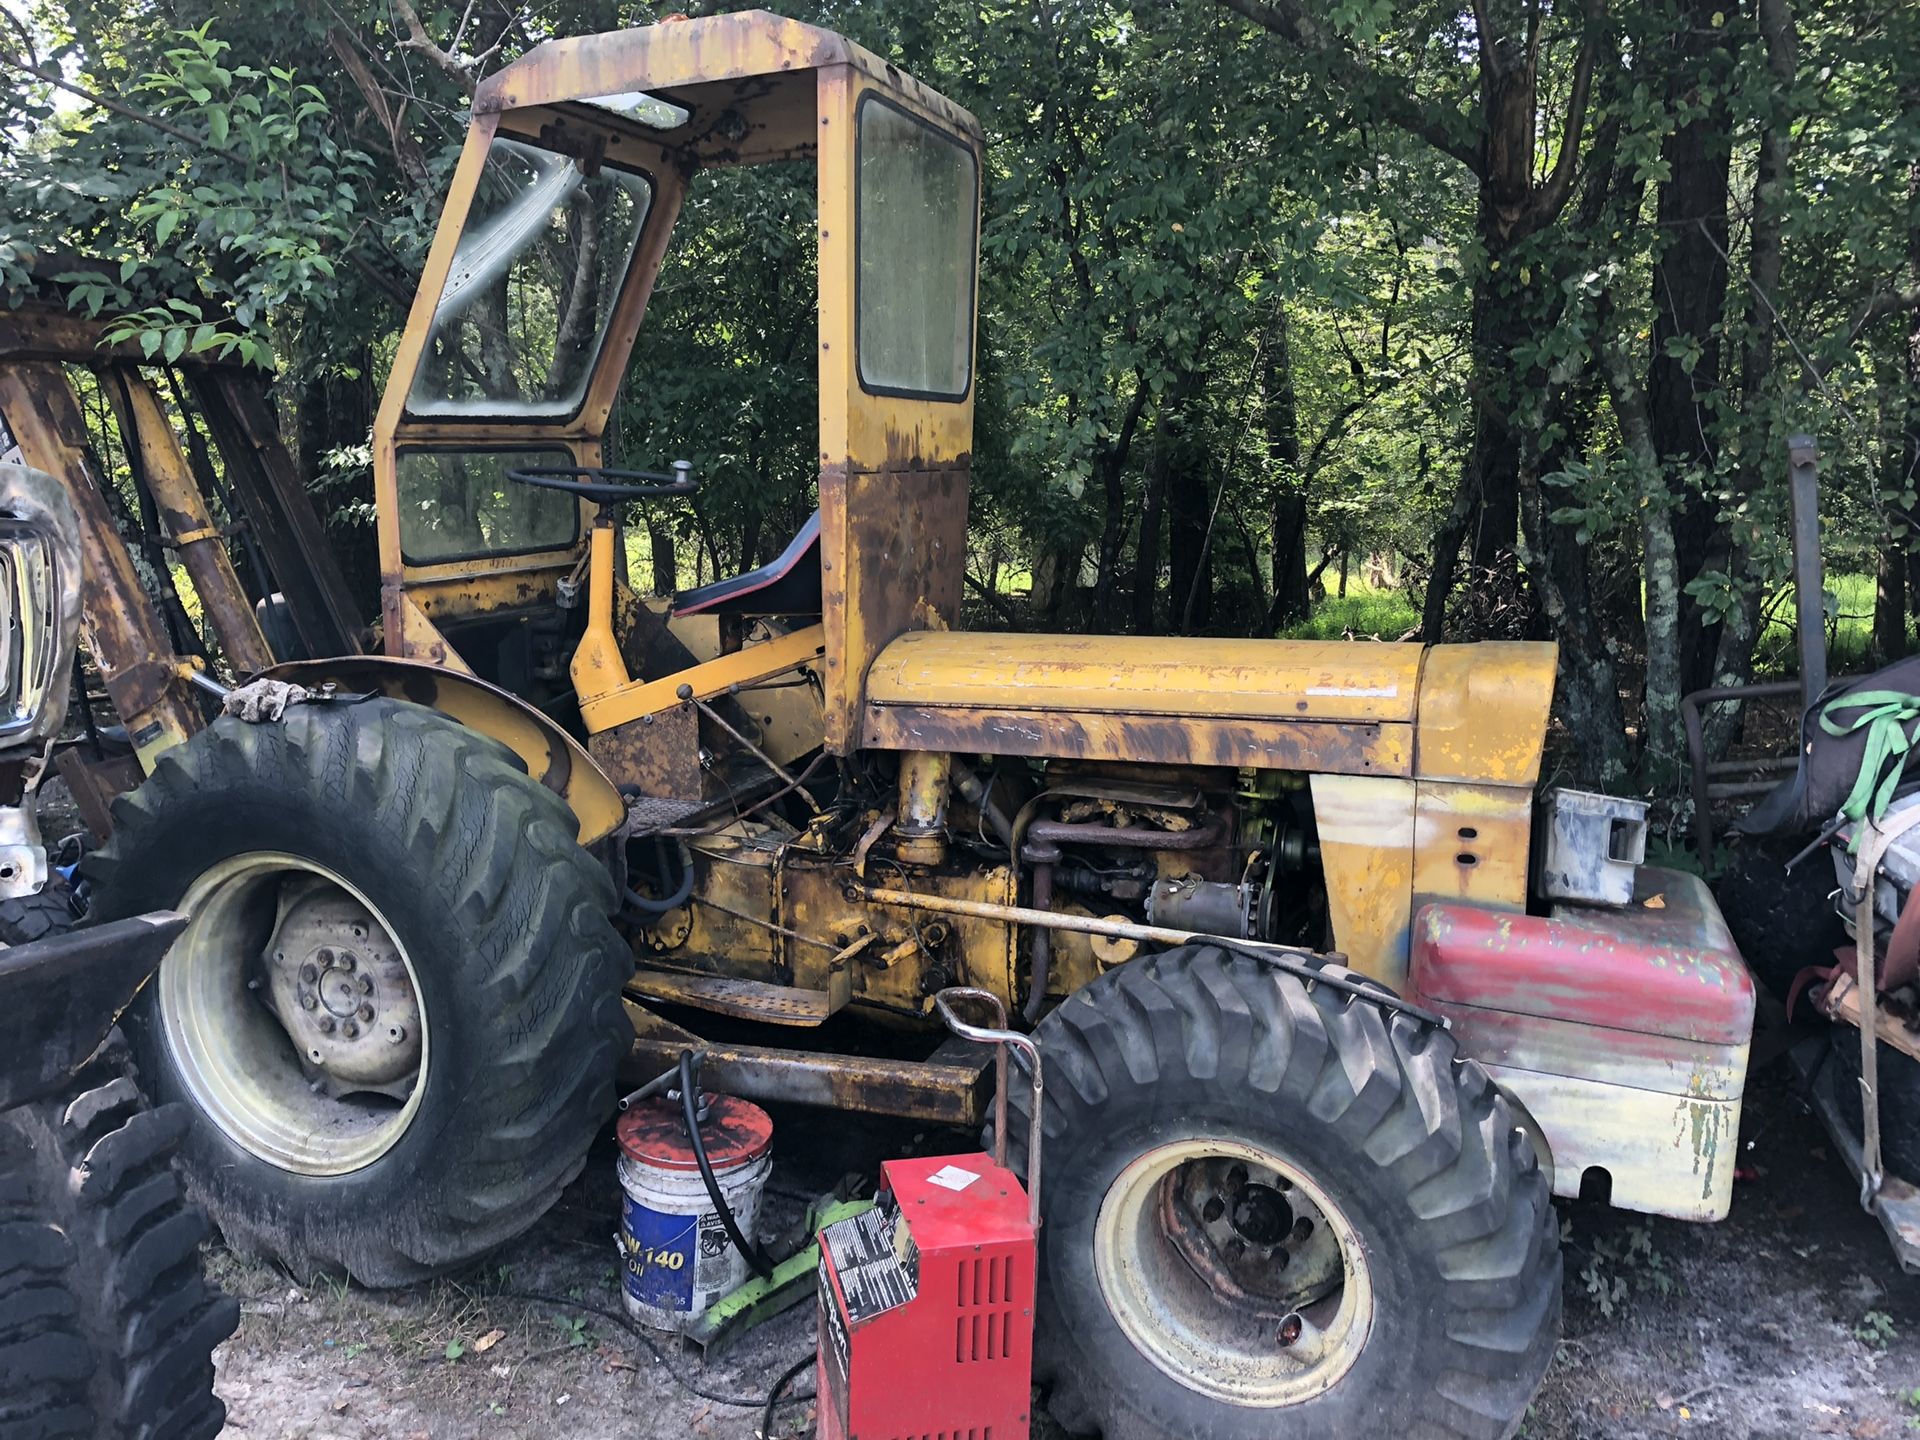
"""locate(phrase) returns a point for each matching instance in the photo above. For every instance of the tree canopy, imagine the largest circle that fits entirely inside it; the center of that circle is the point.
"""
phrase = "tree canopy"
(1492, 318)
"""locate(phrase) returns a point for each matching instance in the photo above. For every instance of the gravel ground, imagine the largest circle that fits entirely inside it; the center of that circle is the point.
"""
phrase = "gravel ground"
(1788, 1320)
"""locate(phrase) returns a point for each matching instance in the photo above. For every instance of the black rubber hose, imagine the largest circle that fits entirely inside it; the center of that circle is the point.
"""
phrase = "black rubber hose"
(681, 891)
(690, 1107)
(787, 1377)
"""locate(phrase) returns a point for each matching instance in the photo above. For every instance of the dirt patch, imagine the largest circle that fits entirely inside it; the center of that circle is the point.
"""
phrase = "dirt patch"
(1789, 1320)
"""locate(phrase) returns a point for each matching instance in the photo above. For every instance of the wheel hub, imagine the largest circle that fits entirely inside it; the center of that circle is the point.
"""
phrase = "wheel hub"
(341, 989)
(1233, 1272)
(292, 1014)
(1249, 1232)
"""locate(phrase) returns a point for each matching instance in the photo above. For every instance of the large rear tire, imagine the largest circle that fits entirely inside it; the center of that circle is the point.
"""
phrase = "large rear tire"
(1273, 1211)
(395, 1014)
(107, 1327)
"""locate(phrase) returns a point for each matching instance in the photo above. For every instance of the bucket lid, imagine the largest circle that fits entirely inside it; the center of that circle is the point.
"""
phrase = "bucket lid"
(736, 1132)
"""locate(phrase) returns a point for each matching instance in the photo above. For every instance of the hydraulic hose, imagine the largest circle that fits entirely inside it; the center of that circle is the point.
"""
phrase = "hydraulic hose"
(690, 1107)
(678, 897)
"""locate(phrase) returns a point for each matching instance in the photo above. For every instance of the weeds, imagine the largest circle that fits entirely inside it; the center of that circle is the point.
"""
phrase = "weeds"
(1618, 1267)
(1876, 1330)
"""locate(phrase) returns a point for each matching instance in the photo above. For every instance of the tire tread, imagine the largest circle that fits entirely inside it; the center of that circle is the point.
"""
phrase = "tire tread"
(527, 909)
(1431, 1124)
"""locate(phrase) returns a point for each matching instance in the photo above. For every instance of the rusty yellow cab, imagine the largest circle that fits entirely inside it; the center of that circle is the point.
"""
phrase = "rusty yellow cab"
(1319, 1048)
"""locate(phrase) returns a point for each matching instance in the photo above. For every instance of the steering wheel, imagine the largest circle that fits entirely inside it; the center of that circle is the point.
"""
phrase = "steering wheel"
(610, 486)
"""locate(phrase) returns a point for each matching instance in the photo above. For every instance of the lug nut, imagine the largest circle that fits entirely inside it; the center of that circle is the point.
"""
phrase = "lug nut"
(324, 958)
(366, 1012)
(366, 984)
(308, 974)
(348, 960)
(350, 1030)
(308, 1002)
(326, 1024)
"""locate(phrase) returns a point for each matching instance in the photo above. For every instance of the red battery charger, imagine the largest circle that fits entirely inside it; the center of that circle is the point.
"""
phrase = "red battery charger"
(926, 1300)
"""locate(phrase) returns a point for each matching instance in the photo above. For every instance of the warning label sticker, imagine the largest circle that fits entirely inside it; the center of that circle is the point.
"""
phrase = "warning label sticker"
(877, 1273)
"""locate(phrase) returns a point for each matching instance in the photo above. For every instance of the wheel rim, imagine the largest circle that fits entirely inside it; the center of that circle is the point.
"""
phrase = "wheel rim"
(1232, 1272)
(293, 1016)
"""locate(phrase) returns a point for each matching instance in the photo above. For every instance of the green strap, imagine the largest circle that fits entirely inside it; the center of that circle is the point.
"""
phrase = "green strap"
(1886, 716)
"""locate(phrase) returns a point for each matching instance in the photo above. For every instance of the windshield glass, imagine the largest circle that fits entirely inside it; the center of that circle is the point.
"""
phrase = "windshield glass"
(525, 305)
(459, 505)
(918, 195)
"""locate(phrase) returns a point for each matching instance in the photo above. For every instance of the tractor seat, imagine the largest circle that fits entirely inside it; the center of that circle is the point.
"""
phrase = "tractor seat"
(789, 584)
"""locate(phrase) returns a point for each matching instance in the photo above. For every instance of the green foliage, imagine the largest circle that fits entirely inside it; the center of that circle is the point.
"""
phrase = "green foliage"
(1228, 277)
(247, 223)
(1876, 1330)
(1618, 1267)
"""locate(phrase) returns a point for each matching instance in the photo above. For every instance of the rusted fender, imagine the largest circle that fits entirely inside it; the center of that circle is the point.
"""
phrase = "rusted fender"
(552, 756)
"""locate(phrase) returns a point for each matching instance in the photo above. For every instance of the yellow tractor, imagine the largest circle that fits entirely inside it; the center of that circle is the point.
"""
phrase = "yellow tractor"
(1331, 1001)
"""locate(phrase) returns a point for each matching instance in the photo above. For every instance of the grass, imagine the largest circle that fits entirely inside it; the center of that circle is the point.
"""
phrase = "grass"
(1365, 614)
(1370, 614)
(1849, 630)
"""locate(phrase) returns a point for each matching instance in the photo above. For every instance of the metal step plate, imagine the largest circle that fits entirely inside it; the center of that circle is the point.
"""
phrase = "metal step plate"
(743, 999)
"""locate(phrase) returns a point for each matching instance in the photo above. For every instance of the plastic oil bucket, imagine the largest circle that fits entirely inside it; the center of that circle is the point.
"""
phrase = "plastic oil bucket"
(676, 1259)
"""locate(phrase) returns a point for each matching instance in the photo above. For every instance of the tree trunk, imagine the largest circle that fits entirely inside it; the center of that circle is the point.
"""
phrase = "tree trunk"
(1663, 748)
(1173, 450)
(1485, 518)
(1589, 689)
(666, 563)
(1890, 601)
(1733, 665)
(1189, 556)
(1907, 479)
(1289, 546)
(1111, 467)
(335, 411)
(1146, 550)
(580, 311)
(1689, 296)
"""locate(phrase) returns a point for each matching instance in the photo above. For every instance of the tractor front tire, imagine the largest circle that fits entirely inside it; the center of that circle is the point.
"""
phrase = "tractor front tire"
(1276, 1210)
(395, 1012)
(107, 1326)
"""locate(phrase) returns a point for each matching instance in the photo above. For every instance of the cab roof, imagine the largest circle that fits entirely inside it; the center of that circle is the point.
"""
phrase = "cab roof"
(694, 63)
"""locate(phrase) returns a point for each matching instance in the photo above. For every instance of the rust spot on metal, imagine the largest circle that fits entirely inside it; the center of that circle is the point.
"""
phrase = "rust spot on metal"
(1324, 747)
(660, 755)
